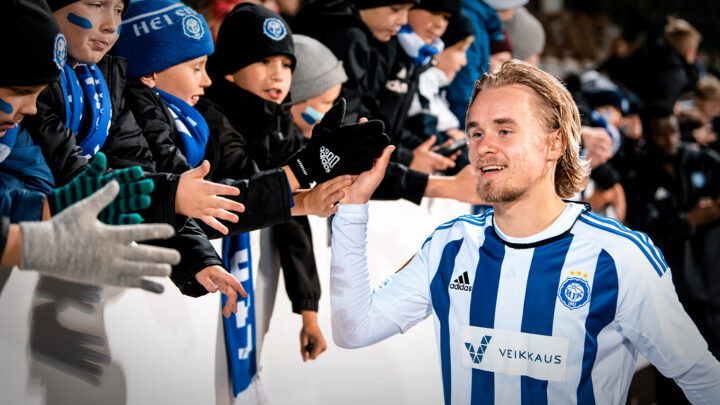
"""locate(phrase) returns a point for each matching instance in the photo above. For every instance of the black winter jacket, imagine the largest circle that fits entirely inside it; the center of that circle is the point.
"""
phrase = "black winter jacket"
(264, 205)
(124, 147)
(657, 204)
(260, 135)
(658, 72)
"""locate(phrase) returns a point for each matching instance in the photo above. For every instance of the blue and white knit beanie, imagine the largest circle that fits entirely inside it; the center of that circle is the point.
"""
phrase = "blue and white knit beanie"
(158, 34)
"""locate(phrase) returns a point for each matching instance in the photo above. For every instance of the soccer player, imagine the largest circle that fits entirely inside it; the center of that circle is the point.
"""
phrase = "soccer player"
(535, 300)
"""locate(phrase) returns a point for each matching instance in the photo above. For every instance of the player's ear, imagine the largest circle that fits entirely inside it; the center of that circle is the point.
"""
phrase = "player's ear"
(556, 145)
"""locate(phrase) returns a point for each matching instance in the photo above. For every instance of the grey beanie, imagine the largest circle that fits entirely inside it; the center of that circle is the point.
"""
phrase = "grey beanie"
(505, 4)
(526, 33)
(317, 69)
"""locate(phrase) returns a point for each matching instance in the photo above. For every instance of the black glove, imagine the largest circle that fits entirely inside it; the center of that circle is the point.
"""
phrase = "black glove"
(337, 149)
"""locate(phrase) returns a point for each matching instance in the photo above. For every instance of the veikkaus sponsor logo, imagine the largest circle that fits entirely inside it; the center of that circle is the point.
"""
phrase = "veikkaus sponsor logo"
(515, 353)
(548, 358)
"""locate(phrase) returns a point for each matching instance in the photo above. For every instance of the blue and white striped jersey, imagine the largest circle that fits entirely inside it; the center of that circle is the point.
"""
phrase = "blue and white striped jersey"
(556, 318)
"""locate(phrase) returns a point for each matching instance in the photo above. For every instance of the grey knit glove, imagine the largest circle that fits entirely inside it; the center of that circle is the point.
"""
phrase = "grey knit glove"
(75, 246)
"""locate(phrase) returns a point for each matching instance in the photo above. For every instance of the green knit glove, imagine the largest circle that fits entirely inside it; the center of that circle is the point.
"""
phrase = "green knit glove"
(134, 192)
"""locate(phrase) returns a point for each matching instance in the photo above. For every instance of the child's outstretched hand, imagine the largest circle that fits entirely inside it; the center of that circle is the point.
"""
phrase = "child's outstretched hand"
(321, 200)
(200, 199)
(214, 279)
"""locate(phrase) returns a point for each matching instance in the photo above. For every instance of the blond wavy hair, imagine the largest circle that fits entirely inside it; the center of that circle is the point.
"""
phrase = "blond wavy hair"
(557, 112)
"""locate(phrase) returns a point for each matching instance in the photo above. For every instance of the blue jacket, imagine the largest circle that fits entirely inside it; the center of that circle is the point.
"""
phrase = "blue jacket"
(25, 180)
(488, 28)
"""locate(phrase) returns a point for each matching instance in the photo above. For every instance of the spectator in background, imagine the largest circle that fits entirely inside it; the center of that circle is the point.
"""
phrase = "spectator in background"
(707, 97)
(488, 29)
(429, 112)
(605, 192)
(675, 199)
(695, 129)
(527, 35)
(419, 41)
(500, 52)
(363, 35)
(664, 69)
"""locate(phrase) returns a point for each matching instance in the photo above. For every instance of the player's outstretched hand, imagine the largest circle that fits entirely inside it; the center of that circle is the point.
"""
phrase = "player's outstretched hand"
(214, 279)
(365, 184)
(74, 245)
(200, 199)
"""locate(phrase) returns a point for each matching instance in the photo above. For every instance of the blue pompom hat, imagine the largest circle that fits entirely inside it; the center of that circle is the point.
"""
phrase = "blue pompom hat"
(158, 34)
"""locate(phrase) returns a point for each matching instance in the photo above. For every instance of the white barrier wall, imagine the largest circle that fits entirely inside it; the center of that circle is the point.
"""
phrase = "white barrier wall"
(168, 349)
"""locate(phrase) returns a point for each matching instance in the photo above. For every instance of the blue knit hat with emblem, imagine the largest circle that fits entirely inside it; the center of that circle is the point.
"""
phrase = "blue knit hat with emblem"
(249, 34)
(158, 34)
(33, 47)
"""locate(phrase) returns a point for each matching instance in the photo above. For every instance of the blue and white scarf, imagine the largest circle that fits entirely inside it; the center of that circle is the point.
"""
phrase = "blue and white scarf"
(7, 142)
(416, 48)
(86, 82)
(240, 328)
(190, 123)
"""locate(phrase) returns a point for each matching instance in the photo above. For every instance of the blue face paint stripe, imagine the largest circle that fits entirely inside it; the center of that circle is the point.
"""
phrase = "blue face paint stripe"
(441, 306)
(79, 21)
(539, 306)
(602, 311)
(5, 107)
(482, 307)
(308, 119)
(119, 30)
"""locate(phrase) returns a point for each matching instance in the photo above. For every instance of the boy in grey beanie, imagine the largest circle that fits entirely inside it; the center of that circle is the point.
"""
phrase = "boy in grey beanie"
(316, 83)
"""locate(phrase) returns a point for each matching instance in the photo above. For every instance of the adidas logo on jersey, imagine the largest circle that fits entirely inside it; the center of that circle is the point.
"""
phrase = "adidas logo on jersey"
(328, 159)
(462, 283)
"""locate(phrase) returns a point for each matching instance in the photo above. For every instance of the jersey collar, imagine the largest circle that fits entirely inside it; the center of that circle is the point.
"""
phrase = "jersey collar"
(557, 230)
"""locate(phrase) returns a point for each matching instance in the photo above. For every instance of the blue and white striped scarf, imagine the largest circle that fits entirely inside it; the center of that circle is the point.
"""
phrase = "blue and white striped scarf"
(190, 123)
(240, 328)
(416, 48)
(86, 82)
(7, 142)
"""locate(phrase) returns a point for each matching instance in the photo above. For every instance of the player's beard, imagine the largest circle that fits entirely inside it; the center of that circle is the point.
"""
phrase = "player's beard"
(500, 195)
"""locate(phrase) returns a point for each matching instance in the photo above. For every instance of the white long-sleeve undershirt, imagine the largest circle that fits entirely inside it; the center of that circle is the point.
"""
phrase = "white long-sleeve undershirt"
(357, 316)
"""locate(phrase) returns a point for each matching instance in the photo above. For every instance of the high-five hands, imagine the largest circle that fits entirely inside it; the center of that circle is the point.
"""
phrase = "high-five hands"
(365, 184)
(322, 199)
(337, 149)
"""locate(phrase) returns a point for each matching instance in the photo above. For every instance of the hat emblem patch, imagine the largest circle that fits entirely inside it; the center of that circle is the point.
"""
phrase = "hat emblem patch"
(274, 29)
(60, 51)
(192, 27)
